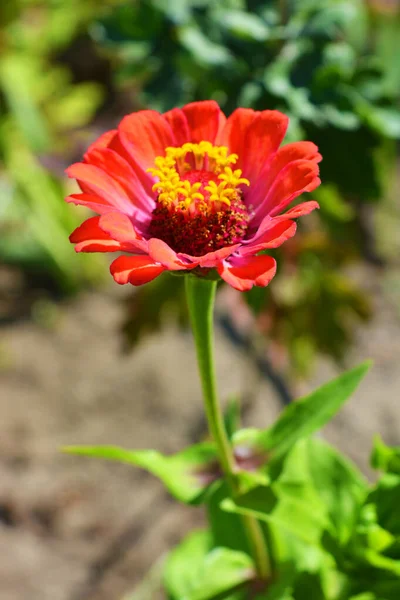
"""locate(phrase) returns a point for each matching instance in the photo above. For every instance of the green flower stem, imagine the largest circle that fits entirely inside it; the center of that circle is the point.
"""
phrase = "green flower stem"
(200, 294)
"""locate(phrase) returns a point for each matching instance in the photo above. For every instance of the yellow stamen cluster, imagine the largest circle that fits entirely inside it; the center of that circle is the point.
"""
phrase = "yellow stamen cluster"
(171, 189)
(216, 156)
(226, 190)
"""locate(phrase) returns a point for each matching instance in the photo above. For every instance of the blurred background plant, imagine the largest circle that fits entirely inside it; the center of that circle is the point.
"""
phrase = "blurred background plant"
(70, 70)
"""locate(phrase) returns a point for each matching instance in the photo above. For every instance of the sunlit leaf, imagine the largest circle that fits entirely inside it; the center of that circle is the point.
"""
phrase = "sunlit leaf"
(307, 415)
(187, 475)
(194, 571)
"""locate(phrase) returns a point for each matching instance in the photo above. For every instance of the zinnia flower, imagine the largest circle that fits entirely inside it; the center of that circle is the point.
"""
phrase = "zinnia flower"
(192, 190)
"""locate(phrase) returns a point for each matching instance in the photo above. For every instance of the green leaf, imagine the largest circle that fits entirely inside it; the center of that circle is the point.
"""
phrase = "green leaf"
(244, 25)
(203, 50)
(187, 475)
(289, 502)
(313, 489)
(222, 570)
(196, 572)
(178, 574)
(292, 512)
(342, 56)
(232, 416)
(385, 458)
(226, 528)
(386, 497)
(305, 416)
(339, 484)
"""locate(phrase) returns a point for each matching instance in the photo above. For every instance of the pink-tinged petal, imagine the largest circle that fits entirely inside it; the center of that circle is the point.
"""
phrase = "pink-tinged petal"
(254, 137)
(205, 120)
(125, 150)
(277, 162)
(297, 177)
(273, 237)
(96, 182)
(94, 203)
(180, 129)
(88, 237)
(211, 259)
(136, 270)
(102, 142)
(120, 227)
(302, 209)
(145, 135)
(160, 252)
(113, 163)
(245, 272)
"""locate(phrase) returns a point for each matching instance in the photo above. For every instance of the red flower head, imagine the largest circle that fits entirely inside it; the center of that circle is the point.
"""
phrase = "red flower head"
(192, 190)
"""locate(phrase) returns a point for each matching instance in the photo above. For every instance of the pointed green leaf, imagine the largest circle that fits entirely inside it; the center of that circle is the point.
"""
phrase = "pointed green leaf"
(187, 474)
(305, 416)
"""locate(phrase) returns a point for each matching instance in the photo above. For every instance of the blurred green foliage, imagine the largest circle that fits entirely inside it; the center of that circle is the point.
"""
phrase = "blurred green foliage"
(41, 111)
(331, 65)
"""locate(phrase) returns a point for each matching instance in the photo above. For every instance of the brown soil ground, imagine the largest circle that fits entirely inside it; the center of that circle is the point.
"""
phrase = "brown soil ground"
(77, 529)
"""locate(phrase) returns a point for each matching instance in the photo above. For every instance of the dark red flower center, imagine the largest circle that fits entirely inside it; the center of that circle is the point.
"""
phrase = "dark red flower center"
(200, 204)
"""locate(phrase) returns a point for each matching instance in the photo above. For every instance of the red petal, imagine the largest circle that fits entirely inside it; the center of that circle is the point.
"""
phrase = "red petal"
(96, 182)
(277, 162)
(297, 177)
(145, 135)
(211, 259)
(121, 228)
(205, 120)
(125, 150)
(162, 253)
(304, 208)
(273, 237)
(301, 209)
(236, 127)
(88, 237)
(94, 203)
(254, 137)
(136, 270)
(102, 142)
(122, 172)
(179, 126)
(243, 273)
